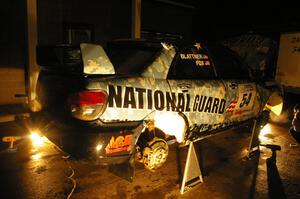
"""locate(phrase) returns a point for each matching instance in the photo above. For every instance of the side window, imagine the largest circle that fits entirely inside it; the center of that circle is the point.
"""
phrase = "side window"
(227, 64)
(191, 63)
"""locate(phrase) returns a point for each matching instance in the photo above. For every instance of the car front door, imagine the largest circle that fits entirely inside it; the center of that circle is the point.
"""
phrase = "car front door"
(240, 90)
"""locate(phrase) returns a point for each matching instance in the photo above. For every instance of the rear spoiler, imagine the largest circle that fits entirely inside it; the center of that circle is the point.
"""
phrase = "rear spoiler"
(86, 59)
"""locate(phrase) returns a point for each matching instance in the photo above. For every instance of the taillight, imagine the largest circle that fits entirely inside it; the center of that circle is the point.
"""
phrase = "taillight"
(88, 105)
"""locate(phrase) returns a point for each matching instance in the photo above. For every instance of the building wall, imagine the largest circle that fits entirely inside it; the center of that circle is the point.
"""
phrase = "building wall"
(12, 51)
(166, 18)
(50, 21)
(108, 19)
(12, 34)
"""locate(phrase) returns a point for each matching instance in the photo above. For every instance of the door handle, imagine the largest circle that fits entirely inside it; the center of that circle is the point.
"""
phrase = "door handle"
(184, 85)
(233, 85)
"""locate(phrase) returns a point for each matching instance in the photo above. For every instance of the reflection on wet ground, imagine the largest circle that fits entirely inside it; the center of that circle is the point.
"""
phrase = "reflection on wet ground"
(39, 171)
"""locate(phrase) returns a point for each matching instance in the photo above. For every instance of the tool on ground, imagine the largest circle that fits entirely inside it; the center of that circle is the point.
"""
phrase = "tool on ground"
(11, 140)
(273, 148)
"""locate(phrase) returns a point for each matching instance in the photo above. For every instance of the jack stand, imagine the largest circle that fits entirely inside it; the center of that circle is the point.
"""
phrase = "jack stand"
(192, 171)
(254, 142)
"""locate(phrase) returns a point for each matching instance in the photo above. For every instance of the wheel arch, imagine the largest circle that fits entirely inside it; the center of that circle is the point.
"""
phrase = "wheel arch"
(167, 124)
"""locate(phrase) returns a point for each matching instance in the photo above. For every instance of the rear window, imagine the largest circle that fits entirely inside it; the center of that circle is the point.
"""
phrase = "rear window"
(130, 59)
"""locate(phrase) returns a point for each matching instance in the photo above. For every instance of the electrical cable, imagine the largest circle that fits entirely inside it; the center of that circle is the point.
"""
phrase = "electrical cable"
(66, 158)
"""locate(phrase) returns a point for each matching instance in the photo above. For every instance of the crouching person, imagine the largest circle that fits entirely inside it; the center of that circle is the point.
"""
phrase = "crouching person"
(295, 128)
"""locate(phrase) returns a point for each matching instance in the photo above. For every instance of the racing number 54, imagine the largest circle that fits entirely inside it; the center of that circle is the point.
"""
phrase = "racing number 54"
(246, 99)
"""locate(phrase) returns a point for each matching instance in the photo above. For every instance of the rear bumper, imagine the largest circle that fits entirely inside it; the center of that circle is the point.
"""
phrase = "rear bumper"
(105, 143)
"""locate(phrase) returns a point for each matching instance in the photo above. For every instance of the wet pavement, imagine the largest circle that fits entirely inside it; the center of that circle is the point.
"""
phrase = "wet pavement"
(42, 172)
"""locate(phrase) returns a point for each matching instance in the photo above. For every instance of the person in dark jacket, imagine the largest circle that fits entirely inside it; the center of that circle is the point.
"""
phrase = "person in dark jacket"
(295, 128)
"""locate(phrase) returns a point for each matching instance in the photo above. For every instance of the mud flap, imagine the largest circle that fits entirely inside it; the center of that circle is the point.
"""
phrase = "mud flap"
(125, 170)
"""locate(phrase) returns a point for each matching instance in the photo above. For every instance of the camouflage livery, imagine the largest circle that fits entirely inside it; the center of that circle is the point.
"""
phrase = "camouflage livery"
(111, 110)
(203, 102)
(160, 67)
(95, 60)
(207, 104)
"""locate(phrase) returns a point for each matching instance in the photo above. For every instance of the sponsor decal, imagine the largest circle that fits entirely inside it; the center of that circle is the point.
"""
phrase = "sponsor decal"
(140, 98)
(235, 109)
(209, 104)
(231, 106)
(119, 144)
(295, 39)
(238, 112)
(245, 101)
(198, 46)
(193, 56)
(200, 59)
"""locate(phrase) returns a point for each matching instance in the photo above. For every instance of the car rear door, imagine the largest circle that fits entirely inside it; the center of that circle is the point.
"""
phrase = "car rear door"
(192, 74)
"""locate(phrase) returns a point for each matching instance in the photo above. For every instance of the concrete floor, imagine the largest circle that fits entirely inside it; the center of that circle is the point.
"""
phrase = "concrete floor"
(43, 172)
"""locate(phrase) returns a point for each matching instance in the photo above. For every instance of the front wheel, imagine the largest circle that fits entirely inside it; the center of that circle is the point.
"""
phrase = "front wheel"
(155, 154)
(152, 149)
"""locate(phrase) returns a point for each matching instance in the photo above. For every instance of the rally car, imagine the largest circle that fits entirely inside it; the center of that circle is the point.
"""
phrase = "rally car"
(137, 96)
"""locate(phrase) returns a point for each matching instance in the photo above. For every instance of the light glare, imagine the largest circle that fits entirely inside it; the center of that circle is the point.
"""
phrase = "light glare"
(37, 140)
(171, 124)
(36, 156)
(99, 147)
(263, 132)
